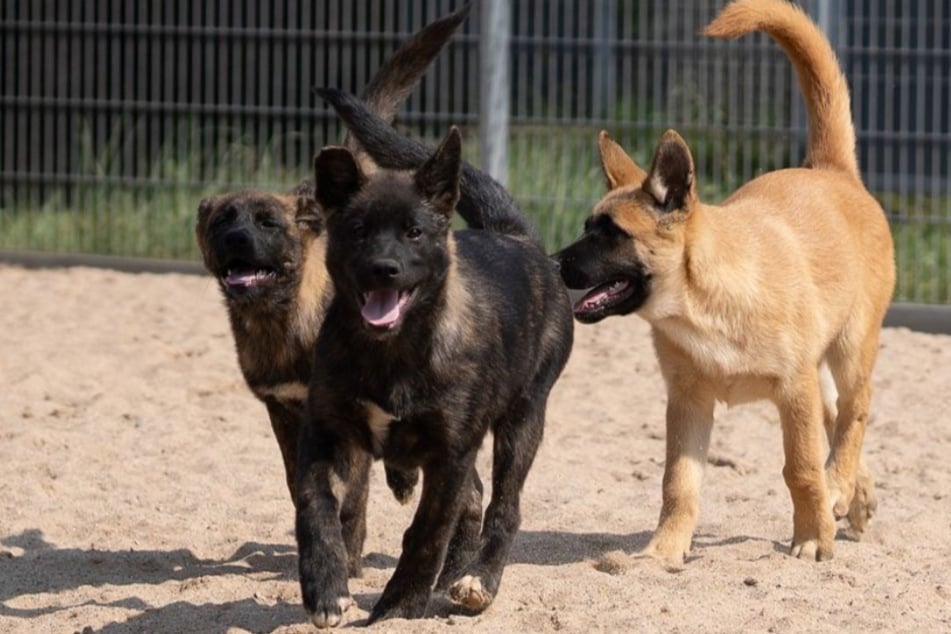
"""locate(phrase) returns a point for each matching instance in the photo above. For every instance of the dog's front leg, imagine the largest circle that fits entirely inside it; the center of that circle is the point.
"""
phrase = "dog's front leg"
(445, 486)
(515, 443)
(325, 466)
(689, 424)
(801, 415)
(286, 425)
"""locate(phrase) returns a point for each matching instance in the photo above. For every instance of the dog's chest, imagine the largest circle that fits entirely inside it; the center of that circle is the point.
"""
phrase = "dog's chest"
(378, 422)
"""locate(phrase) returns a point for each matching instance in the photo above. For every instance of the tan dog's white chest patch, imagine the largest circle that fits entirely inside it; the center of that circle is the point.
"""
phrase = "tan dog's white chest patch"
(379, 421)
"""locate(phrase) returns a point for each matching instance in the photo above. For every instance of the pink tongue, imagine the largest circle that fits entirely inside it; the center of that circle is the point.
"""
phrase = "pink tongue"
(591, 300)
(382, 307)
(240, 278)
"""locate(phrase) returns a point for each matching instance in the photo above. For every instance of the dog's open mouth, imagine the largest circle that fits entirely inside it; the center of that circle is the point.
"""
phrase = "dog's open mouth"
(242, 277)
(383, 308)
(602, 297)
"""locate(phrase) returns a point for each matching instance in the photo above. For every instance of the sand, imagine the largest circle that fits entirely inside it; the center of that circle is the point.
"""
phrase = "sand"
(141, 489)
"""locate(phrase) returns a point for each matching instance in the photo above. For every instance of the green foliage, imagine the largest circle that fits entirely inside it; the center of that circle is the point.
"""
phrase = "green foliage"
(555, 177)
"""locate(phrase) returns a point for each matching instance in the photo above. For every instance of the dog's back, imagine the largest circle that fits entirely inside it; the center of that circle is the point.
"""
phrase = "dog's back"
(483, 202)
(515, 280)
(820, 212)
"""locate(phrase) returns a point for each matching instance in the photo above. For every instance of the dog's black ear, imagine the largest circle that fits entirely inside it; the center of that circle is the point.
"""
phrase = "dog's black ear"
(437, 179)
(619, 168)
(337, 178)
(204, 210)
(671, 179)
(308, 215)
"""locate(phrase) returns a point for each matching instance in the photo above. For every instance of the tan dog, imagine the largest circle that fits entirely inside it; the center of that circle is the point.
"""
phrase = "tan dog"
(771, 295)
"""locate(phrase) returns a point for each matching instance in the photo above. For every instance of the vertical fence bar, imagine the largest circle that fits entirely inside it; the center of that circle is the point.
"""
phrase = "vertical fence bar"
(494, 87)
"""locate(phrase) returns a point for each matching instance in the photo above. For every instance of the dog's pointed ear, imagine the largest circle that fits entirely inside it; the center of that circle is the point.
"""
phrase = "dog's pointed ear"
(437, 179)
(204, 210)
(671, 179)
(308, 215)
(619, 168)
(337, 178)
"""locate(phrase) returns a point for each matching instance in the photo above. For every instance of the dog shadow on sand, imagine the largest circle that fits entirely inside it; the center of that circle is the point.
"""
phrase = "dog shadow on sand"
(45, 569)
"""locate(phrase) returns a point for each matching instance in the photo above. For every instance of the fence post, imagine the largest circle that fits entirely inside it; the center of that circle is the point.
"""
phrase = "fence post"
(494, 39)
(605, 15)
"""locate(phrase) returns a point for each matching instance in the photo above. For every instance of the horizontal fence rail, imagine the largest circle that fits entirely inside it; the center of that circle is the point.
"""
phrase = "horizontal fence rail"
(118, 117)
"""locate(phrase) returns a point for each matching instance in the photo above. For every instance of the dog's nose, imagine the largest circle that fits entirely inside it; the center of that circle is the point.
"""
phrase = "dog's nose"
(237, 239)
(386, 269)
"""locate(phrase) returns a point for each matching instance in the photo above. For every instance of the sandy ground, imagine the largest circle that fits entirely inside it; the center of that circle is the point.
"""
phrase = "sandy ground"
(141, 490)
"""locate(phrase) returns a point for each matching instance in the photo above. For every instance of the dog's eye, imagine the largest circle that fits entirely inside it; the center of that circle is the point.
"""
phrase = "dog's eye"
(226, 216)
(414, 233)
(267, 222)
(358, 231)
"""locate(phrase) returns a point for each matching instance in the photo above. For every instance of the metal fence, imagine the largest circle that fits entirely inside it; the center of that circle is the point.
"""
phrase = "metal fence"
(117, 116)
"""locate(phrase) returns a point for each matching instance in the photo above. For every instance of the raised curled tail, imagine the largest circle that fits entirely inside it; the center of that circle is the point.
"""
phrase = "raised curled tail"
(401, 72)
(483, 202)
(831, 133)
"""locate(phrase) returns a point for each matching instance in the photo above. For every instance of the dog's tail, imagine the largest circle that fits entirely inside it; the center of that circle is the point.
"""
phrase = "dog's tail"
(402, 71)
(483, 202)
(831, 133)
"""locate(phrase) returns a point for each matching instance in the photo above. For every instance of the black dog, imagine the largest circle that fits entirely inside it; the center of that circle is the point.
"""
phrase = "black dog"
(433, 339)
(267, 251)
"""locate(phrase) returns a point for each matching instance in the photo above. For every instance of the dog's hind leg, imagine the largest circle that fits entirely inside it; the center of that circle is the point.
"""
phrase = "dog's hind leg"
(464, 545)
(401, 482)
(353, 511)
(851, 487)
(689, 424)
(427, 539)
(801, 413)
(515, 442)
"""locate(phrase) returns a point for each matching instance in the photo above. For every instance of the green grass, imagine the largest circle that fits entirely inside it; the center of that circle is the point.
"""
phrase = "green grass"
(555, 177)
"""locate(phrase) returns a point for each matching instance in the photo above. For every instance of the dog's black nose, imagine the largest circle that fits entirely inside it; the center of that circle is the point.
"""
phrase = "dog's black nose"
(237, 238)
(386, 269)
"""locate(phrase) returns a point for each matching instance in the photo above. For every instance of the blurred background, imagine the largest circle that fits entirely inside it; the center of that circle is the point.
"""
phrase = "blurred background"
(118, 116)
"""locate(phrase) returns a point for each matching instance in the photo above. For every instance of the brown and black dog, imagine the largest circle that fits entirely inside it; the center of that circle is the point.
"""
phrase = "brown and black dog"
(779, 293)
(434, 338)
(267, 252)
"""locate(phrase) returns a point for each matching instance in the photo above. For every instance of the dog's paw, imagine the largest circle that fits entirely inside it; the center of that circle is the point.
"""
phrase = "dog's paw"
(402, 607)
(669, 549)
(329, 612)
(470, 593)
(864, 504)
(841, 494)
(810, 550)
(813, 545)
(402, 482)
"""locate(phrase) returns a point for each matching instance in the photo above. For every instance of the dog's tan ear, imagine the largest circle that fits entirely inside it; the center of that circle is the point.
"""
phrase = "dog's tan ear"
(671, 179)
(437, 179)
(337, 178)
(308, 215)
(619, 168)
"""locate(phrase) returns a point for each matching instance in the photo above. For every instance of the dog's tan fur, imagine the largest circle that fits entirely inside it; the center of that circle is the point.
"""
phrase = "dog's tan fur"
(765, 295)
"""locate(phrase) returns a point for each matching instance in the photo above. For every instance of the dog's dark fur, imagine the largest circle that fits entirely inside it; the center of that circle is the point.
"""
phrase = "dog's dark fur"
(267, 251)
(483, 202)
(482, 330)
